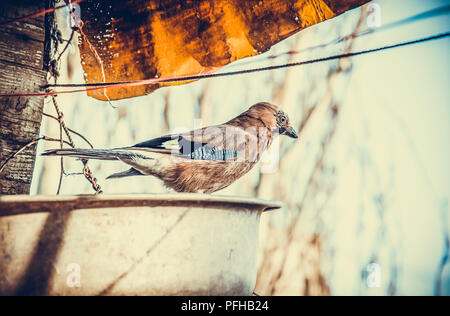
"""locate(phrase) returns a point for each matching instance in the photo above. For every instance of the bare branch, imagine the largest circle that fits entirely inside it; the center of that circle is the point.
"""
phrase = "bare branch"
(71, 130)
(50, 139)
(86, 171)
(67, 45)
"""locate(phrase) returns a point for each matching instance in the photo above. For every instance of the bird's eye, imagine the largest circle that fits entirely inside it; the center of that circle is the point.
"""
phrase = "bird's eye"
(283, 119)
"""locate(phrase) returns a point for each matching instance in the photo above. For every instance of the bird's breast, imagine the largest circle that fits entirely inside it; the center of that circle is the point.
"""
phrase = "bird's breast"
(203, 176)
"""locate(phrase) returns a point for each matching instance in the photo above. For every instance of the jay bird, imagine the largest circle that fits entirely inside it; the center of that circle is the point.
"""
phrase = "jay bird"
(201, 161)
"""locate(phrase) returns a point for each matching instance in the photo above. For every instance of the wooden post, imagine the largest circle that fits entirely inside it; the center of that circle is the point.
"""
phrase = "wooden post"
(24, 51)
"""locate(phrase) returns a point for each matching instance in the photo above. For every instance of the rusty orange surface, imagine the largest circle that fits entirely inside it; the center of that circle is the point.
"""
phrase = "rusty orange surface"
(125, 40)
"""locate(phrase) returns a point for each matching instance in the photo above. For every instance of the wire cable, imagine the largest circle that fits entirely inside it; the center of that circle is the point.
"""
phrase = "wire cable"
(36, 14)
(246, 71)
(103, 85)
(411, 19)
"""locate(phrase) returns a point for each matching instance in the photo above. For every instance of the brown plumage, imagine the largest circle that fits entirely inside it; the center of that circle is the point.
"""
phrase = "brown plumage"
(204, 160)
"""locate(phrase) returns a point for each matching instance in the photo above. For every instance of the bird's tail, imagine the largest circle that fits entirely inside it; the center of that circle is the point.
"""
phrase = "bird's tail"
(102, 154)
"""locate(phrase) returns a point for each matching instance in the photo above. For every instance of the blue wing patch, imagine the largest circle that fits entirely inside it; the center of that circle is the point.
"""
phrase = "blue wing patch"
(206, 153)
(187, 149)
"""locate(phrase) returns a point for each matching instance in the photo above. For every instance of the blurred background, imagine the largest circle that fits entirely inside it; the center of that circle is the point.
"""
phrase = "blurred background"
(365, 187)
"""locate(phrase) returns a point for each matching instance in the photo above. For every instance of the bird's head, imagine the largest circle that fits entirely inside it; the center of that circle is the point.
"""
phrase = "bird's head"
(273, 118)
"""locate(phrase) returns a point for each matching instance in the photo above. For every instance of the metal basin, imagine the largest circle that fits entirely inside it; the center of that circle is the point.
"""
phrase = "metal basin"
(162, 244)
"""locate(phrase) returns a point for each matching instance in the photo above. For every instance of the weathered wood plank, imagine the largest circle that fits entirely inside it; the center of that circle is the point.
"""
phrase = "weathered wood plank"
(27, 53)
(22, 71)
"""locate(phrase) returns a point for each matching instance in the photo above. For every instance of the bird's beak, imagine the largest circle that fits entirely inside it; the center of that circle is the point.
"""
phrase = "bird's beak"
(290, 131)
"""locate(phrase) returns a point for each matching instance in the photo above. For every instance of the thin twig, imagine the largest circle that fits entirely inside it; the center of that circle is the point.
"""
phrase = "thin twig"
(61, 122)
(70, 130)
(50, 139)
(97, 57)
(74, 174)
(67, 45)
(61, 145)
(446, 254)
(86, 171)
